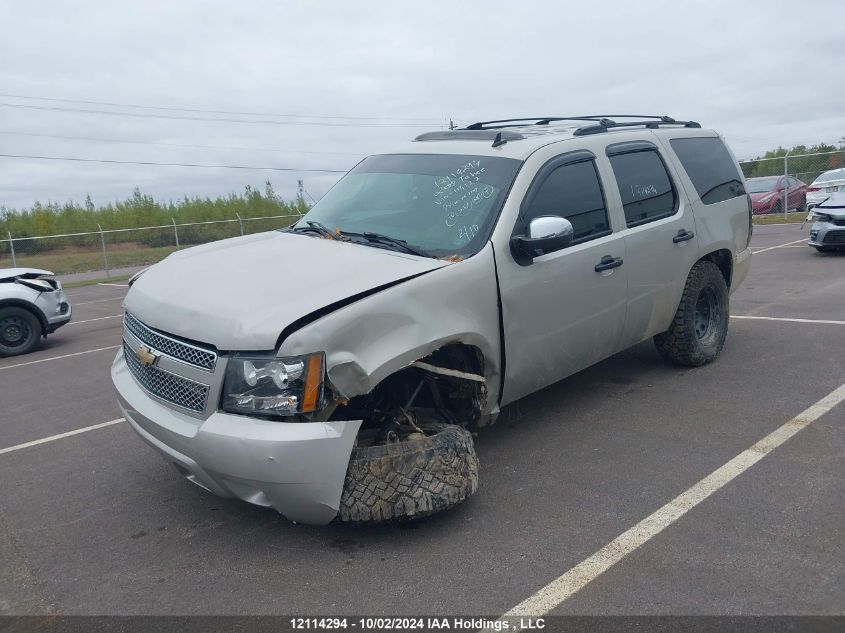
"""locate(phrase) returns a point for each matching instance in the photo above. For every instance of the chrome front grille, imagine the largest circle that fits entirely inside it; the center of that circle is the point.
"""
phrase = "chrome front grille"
(191, 354)
(170, 387)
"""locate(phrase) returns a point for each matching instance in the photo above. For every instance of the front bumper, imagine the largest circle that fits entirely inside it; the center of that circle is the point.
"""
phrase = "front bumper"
(297, 468)
(827, 234)
(762, 208)
(56, 309)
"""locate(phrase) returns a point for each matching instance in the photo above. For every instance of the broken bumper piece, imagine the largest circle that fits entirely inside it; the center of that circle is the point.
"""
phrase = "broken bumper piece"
(297, 468)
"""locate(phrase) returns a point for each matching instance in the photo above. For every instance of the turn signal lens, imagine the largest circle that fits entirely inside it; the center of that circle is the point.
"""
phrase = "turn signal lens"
(313, 384)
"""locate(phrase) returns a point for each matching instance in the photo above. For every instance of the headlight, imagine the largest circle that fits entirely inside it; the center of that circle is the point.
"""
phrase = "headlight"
(266, 385)
(765, 199)
(40, 284)
(820, 217)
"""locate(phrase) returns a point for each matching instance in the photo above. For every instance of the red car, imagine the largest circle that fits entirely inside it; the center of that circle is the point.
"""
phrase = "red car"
(767, 194)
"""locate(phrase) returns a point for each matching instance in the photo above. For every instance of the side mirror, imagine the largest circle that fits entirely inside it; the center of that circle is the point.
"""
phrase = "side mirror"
(546, 234)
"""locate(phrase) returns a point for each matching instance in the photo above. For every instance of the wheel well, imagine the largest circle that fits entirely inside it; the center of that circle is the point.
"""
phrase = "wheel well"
(724, 262)
(424, 392)
(8, 303)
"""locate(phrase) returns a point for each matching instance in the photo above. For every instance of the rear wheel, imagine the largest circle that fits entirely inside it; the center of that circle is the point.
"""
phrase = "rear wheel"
(700, 326)
(20, 330)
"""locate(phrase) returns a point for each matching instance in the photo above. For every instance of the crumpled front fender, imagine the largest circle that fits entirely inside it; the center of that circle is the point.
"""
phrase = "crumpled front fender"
(369, 340)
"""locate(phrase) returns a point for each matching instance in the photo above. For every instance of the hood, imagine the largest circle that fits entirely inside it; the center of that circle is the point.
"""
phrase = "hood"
(25, 273)
(239, 294)
(834, 206)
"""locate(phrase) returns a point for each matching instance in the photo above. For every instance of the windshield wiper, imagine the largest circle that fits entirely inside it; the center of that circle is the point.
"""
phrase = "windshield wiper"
(380, 238)
(317, 227)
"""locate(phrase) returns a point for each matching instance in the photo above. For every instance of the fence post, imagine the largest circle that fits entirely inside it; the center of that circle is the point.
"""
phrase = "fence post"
(12, 248)
(175, 232)
(241, 222)
(105, 256)
(786, 185)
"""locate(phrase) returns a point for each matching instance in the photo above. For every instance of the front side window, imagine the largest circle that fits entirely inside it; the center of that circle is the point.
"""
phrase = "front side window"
(572, 191)
(711, 169)
(644, 184)
(443, 204)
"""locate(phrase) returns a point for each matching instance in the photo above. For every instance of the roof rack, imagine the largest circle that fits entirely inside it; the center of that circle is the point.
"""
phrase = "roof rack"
(602, 122)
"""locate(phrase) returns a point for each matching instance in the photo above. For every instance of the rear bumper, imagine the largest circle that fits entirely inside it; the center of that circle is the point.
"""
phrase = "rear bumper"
(296, 468)
(742, 264)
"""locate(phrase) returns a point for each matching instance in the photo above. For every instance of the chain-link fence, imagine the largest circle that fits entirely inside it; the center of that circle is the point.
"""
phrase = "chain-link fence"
(113, 251)
(793, 182)
(790, 182)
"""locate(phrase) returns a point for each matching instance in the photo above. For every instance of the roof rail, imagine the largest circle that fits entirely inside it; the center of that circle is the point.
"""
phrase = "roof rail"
(602, 122)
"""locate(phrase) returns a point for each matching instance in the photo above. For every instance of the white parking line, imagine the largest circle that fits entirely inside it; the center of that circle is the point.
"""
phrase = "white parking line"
(44, 360)
(115, 285)
(87, 303)
(565, 586)
(53, 438)
(113, 316)
(765, 318)
(771, 248)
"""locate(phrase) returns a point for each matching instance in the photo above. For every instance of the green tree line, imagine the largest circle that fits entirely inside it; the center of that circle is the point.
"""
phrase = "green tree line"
(806, 168)
(141, 210)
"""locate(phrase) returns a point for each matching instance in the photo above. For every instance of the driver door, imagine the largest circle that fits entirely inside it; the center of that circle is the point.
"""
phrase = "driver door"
(564, 310)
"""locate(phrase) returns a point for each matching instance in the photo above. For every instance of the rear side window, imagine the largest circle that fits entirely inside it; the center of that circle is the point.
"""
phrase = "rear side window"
(573, 191)
(711, 169)
(644, 184)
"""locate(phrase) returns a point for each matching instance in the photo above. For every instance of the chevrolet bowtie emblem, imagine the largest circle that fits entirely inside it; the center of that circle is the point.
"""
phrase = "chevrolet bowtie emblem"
(146, 356)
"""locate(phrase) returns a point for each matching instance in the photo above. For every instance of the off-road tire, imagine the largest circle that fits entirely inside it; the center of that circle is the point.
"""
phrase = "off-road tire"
(681, 344)
(20, 330)
(411, 479)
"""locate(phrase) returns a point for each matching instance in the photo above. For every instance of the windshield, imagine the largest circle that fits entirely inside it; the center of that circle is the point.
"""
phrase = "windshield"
(444, 204)
(760, 185)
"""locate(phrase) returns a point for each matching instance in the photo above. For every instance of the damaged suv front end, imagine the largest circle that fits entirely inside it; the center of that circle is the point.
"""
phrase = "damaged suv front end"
(281, 368)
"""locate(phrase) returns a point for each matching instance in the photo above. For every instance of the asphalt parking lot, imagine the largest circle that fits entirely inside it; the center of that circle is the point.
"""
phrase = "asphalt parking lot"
(98, 523)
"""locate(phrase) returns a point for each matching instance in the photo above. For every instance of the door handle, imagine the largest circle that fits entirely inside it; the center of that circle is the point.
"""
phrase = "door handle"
(607, 262)
(682, 236)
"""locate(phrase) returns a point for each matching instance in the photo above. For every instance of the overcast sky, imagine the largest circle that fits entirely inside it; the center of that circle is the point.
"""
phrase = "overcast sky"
(762, 73)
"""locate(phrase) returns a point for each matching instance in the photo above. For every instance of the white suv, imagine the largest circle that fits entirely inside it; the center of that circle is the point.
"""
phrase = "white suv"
(331, 369)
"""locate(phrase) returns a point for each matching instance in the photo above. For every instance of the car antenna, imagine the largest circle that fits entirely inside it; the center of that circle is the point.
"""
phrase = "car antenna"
(498, 140)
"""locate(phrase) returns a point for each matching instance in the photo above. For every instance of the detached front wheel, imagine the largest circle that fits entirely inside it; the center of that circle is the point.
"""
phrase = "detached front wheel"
(410, 479)
(698, 331)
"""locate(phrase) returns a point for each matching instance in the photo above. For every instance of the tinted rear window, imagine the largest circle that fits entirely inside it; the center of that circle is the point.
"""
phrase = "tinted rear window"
(646, 190)
(710, 167)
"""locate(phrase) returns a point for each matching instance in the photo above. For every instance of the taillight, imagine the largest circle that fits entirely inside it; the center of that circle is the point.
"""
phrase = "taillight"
(813, 189)
(750, 219)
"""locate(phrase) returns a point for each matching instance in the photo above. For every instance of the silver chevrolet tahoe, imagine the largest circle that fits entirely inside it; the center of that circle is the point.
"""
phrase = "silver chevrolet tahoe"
(334, 369)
